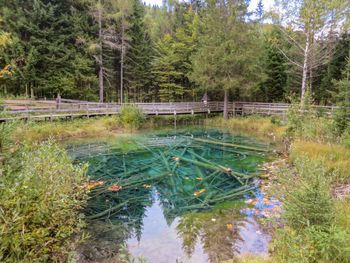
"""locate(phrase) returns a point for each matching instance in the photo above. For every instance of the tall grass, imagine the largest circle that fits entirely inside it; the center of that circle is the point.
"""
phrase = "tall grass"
(260, 126)
(60, 130)
(334, 158)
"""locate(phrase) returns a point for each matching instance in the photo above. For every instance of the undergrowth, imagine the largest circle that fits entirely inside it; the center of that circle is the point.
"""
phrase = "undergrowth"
(312, 231)
(41, 195)
(131, 117)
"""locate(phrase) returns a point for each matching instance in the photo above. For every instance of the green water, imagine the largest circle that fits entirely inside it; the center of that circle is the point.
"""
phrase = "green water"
(170, 196)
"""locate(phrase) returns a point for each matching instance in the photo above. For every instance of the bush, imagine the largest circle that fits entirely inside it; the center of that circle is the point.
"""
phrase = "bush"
(131, 117)
(345, 139)
(309, 201)
(40, 204)
(312, 232)
(306, 123)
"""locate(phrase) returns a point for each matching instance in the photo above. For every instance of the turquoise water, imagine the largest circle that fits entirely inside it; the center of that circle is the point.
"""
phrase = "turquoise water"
(174, 196)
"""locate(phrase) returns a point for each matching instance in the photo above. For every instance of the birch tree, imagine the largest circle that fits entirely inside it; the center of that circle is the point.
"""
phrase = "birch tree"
(314, 19)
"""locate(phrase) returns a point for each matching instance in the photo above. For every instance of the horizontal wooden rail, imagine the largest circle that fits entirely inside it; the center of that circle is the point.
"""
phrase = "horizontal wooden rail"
(71, 108)
(65, 108)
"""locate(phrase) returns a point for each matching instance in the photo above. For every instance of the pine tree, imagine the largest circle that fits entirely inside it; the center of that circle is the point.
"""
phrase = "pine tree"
(342, 98)
(51, 47)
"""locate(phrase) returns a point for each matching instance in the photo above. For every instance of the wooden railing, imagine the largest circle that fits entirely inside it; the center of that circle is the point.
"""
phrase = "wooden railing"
(275, 109)
(42, 109)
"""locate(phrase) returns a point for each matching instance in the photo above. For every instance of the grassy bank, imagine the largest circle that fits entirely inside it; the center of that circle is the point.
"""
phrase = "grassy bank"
(259, 126)
(316, 224)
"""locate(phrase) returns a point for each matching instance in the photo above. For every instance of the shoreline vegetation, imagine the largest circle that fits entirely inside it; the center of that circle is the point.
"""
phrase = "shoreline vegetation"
(316, 221)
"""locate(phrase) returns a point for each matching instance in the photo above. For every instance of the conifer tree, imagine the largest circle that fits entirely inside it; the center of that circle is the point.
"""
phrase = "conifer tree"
(167, 76)
(139, 57)
(225, 59)
(274, 86)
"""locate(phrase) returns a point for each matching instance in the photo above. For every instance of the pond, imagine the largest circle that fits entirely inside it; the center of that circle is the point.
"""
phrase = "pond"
(172, 196)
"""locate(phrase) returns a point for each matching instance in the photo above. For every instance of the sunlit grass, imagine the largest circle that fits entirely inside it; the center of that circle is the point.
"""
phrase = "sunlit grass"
(66, 129)
(259, 126)
(333, 156)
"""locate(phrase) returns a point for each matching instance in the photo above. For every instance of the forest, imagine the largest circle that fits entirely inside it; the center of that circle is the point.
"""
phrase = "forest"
(127, 51)
(90, 173)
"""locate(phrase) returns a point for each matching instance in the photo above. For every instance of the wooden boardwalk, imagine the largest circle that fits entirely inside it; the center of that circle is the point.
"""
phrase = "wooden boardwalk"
(50, 109)
(32, 109)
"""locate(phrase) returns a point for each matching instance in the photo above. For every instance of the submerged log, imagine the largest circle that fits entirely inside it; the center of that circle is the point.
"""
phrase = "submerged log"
(231, 145)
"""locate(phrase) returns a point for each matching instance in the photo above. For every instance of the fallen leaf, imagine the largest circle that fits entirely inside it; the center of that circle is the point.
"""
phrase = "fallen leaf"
(229, 226)
(114, 188)
(197, 193)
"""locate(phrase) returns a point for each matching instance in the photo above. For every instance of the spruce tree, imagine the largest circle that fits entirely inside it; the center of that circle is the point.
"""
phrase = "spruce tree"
(139, 57)
(274, 86)
(167, 77)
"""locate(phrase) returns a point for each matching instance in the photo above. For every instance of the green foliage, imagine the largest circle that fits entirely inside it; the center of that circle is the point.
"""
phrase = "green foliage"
(345, 139)
(311, 232)
(275, 84)
(342, 97)
(40, 202)
(226, 58)
(140, 56)
(131, 117)
(168, 77)
(49, 48)
(6, 131)
(309, 203)
(304, 122)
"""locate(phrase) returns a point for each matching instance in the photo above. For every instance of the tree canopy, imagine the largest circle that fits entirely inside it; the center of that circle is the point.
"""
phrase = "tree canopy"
(118, 50)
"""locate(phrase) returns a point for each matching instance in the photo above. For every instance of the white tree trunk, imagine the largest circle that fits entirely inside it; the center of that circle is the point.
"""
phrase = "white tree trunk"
(305, 66)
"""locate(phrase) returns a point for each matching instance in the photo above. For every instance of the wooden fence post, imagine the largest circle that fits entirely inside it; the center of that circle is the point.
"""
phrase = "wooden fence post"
(58, 101)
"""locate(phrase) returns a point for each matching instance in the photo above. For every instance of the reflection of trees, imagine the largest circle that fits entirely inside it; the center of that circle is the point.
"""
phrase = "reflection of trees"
(217, 230)
(109, 232)
(146, 168)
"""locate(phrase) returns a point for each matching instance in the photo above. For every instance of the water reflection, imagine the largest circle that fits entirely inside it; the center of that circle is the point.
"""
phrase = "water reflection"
(170, 197)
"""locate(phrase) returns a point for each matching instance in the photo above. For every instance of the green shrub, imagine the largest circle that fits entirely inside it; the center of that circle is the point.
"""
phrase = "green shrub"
(345, 138)
(312, 245)
(6, 131)
(131, 117)
(309, 201)
(311, 232)
(341, 120)
(39, 205)
(304, 122)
